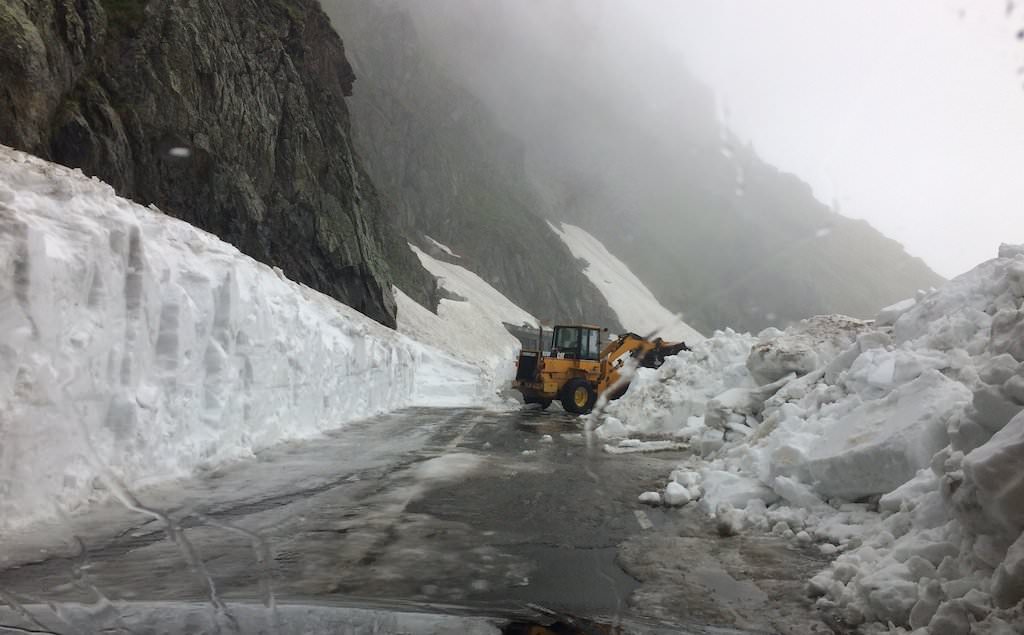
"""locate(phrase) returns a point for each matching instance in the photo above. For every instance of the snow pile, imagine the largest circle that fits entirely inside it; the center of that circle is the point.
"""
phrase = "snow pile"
(802, 347)
(471, 327)
(139, 347)
(672, 399)
(634, 304)
(897, 446)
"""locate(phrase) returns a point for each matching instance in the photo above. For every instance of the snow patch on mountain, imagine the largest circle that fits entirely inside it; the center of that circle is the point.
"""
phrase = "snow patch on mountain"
(137, 348)
(634, 304)
(897, 445)
(464, 331)
(469, 326)
(473, 289)
(445, 248)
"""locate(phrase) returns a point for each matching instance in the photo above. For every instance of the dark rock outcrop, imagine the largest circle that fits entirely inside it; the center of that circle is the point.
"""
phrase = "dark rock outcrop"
(229, 114)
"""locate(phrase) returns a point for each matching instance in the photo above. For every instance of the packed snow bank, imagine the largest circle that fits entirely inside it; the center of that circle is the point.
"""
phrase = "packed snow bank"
(634, 304)
(470, 327)
(898, 446)
(137, 345)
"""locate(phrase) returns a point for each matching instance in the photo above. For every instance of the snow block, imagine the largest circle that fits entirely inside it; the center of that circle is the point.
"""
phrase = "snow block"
(1008, 580)
(1008, 333)
(801, 348)
(992, 409)
(1007, 250)
(882, 444)
(993, 473)
(891, 313)
(676, 494)
(727, 488)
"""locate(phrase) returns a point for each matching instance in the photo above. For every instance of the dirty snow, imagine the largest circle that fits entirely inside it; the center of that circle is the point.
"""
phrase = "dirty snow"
(634, 304)
(895, 446)
(138, 348)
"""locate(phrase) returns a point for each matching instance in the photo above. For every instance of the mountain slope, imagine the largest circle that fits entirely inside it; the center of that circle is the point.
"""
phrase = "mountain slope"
(622, 141)
(450, 171)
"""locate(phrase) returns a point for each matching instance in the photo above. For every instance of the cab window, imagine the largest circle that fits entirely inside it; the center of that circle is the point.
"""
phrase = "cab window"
(567, 340)
(591, 344)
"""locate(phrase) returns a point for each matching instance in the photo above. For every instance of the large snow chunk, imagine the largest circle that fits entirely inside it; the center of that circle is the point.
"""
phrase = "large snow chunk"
(1008, 333)
(807, 346)
(877, 371)
(881, 444)
(1007, 250)
(676, 494)
(959, 315)
(1008, 581)
(996, 473)
(732, 489)
(891, 313)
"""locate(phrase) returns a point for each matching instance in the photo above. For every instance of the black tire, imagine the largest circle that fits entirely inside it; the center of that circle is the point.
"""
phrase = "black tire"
(578, 396)
(543, 403)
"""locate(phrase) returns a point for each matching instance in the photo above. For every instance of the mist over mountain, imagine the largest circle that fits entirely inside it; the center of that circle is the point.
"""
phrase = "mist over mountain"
(449, 172)
(472, 122)
(615, 135)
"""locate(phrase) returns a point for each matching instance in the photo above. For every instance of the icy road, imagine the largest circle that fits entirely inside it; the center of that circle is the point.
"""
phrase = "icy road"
(471, 508)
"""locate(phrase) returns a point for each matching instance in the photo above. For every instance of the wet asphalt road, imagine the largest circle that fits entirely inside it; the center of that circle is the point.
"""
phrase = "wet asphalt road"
(467, 508)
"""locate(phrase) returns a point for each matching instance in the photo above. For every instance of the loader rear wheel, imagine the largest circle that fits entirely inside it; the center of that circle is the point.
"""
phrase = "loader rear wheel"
(578, 396)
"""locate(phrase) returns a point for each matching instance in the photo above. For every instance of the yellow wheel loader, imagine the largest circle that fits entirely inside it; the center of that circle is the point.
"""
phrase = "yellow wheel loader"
(577, 368)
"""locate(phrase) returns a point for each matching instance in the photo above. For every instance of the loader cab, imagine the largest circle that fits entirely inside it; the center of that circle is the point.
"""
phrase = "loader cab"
(581, 342)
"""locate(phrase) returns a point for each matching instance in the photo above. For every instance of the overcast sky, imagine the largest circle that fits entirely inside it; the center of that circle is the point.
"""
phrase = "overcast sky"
(909, 114)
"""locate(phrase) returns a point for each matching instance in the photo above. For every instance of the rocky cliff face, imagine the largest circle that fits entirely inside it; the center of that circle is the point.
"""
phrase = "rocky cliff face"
(450, 172)
(229, 114)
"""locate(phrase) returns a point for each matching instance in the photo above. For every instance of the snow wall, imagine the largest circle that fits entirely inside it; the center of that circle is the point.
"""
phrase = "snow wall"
(139, 348)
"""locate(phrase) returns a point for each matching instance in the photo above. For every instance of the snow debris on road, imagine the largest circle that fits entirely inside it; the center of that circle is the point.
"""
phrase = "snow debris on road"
(138, 348)
(896, 446)
(636, 307)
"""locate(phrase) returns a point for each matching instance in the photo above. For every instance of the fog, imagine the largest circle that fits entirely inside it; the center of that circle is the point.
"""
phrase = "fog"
(909, 115)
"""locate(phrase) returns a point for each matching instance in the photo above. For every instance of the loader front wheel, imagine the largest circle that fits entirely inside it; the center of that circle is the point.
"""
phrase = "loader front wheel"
(578, 396)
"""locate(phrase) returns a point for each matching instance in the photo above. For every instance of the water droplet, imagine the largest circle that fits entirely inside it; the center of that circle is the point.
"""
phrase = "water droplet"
(180, 152)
